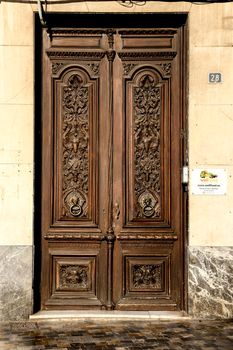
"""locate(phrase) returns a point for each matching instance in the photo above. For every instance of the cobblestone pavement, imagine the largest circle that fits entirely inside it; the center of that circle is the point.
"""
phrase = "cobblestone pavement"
(116, 335)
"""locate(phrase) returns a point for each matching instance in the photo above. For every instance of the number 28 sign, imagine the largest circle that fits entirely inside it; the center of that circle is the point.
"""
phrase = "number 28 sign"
(215, 78)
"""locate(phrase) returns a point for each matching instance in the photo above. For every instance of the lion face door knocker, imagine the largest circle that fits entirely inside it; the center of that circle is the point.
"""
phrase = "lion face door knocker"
(75, 203)
(149, 205)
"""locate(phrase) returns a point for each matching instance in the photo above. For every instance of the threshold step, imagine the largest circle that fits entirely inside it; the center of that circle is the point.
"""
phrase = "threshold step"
(116, 315)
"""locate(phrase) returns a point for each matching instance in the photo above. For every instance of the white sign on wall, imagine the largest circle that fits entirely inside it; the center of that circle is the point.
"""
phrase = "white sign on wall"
(206, 181)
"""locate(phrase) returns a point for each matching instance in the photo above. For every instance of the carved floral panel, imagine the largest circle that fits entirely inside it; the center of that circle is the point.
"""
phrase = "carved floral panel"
(146, 146)
(74, 277)
(146, 276)
(75, 155)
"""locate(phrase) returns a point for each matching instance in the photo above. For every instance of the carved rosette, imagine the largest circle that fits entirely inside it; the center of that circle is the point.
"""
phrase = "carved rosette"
(147, 111)
(147, 276)
(73, 277)
(75, 135)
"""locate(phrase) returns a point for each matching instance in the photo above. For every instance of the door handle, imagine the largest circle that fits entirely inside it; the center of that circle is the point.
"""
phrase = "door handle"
(117, 211)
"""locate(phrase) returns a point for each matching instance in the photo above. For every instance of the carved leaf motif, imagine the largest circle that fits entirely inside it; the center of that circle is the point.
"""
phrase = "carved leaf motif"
(166, 68)
(56, 67)
(94, 67)
(147, 276)
(74, 276)
(127, 67)
(75, 147)
(147, 110)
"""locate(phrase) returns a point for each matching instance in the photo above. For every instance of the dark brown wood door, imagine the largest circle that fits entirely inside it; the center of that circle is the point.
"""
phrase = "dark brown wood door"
(112, 207)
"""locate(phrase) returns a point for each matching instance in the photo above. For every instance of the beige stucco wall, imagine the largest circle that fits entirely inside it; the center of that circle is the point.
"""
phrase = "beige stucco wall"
(210, 114)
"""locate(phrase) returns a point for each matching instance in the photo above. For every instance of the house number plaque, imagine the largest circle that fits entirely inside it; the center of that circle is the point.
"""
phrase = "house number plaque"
(215, 78)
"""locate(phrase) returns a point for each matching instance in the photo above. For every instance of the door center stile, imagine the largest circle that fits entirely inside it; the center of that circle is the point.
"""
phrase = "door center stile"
(110, 236)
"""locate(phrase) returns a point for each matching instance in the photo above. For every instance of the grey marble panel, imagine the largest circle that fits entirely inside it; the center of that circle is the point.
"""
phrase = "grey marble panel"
(210, 289)
(15, 282)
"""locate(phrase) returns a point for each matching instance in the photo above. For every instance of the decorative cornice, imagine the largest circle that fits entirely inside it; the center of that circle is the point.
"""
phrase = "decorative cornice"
(148, 32)
(148, 236)
(75, 32)
(85, 55)
(74, 236)
(147, 55)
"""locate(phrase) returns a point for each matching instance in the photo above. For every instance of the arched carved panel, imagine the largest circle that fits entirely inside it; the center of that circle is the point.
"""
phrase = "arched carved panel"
(145, 134)
(75, 95)
(75, 135)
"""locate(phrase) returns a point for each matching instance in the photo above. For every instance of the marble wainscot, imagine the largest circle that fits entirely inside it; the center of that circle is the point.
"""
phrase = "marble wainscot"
(15, 282)
(210, 289)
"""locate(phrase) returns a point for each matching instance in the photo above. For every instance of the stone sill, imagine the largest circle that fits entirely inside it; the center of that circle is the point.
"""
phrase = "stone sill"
(113, 315)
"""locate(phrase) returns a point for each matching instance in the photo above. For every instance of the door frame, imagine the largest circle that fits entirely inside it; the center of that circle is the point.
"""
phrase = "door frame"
(64, 19)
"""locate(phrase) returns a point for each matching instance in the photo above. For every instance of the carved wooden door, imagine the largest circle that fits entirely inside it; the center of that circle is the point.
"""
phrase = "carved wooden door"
(112, 207)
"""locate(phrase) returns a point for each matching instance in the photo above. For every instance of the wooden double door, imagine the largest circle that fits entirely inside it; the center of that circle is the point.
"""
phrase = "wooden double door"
(112, 197)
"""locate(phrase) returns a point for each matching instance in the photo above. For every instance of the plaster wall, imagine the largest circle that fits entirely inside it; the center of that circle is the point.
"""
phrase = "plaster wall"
(210, 115)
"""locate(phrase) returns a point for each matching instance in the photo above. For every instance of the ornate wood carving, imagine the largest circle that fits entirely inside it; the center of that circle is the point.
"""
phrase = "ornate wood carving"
(74, 277)
(75, 147)
(149, 236)
(86, 55)
(56, 67)
(112, 140)
(94, 67)
(74, 236)
(147, 110)
(148, 32)
(127, 67)
(110, 34)
(146, 55)
(166, 68)
(75, 32)
(147, 276)
(111, 55)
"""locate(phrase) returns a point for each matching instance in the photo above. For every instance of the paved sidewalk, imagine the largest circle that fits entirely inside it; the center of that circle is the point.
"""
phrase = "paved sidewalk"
(115, 335)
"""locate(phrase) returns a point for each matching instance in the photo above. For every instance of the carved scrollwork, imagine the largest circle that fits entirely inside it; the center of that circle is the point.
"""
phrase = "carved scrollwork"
(127, 67)
(147, 111)
(75, 147)
(147, 276)
(56, 67)
(74, 276)
(166, 68)
(94, 67)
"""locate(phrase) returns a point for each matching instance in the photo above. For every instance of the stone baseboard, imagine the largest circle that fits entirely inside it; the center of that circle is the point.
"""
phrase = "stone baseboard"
(210, 286)
(15, 282)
